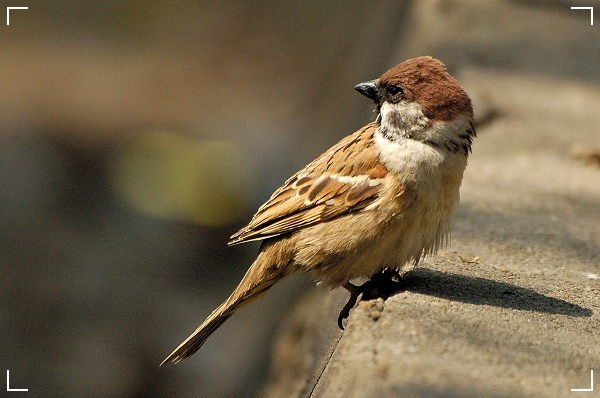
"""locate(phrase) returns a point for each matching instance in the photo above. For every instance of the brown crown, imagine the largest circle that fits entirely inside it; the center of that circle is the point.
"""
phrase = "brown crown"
(425, 80)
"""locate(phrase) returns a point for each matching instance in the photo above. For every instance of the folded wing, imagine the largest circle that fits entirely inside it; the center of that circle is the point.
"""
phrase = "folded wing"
(346, 178)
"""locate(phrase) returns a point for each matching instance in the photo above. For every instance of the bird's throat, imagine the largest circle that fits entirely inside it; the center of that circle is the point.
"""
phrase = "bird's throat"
(404, 119)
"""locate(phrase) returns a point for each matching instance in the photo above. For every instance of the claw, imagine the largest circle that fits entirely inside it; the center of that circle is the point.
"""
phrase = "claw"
(381, 284)
(355, 291)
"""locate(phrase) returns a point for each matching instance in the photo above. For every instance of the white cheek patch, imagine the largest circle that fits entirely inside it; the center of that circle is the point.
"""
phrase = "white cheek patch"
(453, 136)
(448, 130)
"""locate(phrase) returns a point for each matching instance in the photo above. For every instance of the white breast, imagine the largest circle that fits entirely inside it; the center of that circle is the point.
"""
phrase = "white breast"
(406, 154)
(432, 177)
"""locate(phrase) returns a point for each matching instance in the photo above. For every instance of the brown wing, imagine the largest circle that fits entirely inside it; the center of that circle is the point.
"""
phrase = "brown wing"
(345, 178)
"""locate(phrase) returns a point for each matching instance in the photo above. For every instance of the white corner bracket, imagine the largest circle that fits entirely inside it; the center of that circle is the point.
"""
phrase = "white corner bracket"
(8, 383)
(591, 384)
(13, 8)
(586, 8)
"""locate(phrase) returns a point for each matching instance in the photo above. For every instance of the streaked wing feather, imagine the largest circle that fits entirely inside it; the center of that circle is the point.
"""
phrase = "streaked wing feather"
(346, 178)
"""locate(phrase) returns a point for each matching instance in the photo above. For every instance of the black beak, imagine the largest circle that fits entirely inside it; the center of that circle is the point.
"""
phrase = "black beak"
(369, 90)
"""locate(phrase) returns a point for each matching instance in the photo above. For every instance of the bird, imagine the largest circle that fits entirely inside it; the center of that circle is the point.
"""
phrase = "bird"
(380, 199)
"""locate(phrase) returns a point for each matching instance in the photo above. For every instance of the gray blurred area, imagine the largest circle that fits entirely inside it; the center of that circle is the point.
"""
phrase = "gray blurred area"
(136, 137)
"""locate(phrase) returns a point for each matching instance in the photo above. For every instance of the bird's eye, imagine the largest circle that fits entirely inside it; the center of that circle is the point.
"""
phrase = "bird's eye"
(393, 90)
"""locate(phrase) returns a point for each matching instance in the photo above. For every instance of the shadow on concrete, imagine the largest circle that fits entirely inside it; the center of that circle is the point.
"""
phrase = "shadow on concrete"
(474, 290)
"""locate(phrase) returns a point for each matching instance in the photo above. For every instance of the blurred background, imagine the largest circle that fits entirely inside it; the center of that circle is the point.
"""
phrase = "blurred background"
(137, 136)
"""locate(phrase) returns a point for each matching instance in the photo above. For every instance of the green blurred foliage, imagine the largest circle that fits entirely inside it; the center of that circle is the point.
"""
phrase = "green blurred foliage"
(170, 176)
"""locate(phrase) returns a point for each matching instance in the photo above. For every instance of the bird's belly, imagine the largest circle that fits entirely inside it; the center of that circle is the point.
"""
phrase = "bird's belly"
(365, 244)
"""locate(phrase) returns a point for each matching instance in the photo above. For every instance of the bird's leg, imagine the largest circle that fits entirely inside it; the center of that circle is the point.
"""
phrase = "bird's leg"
(355, 291)
(382, 284)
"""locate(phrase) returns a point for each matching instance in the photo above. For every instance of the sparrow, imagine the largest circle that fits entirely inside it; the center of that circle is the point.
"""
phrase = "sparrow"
(380, 199)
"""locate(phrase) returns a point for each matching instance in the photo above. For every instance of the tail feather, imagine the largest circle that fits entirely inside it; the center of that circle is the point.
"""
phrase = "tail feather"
(254, 285)
(197, 339)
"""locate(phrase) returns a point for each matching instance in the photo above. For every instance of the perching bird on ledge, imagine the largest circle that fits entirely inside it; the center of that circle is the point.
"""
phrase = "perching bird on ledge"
(380, 199)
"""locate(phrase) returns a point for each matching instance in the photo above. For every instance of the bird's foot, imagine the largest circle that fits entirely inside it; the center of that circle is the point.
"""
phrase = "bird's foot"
(355, 291)
(382, 284)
